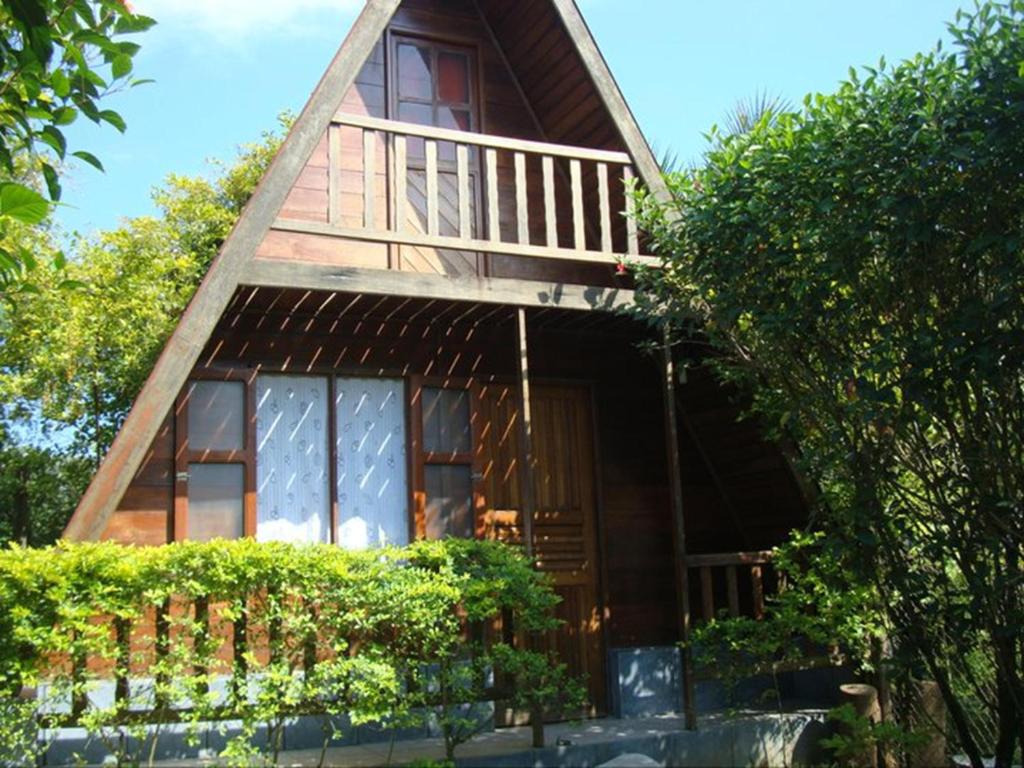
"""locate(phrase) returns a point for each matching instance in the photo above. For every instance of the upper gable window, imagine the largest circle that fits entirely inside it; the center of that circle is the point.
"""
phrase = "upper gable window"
(435, 84)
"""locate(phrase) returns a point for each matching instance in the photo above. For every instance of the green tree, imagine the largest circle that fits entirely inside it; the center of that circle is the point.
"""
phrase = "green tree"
(58, 60)
(77, 358)
(859, 266)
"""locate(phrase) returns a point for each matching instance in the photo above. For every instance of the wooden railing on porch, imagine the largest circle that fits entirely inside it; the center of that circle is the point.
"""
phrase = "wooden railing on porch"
(722, 574)
(576, 163)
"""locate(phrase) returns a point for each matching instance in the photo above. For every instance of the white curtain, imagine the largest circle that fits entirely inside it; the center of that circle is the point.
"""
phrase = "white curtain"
(292, 459)
(373, 493)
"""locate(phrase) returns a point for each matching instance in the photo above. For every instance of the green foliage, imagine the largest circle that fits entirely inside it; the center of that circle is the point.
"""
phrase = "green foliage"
(379, 636)
(857, 735)
(58, 60)
(39, 489)
(820, 611)
(80, 357)
(858, 267)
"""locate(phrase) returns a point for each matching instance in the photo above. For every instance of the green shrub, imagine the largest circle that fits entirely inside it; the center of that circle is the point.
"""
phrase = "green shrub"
(389, 636)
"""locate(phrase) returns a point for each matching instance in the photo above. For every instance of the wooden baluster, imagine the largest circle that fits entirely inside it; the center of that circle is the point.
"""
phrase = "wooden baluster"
(79, 667)
(239, 665)
(462, 161)
(122, 633)
(401, 181)
(522, 205)
(433, 216)
(606, 207)
(757, 583)
(162, 648)
(632, 239)
(334, 175)
(579, 231)
(707, 593)
(550, 209)
(493, 222)
(201, 636)
(275, 632)
(734, 591)
(369, 179)
(309, 644)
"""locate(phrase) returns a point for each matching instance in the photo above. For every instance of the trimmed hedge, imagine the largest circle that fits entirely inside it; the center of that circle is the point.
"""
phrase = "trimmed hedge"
(257, 633)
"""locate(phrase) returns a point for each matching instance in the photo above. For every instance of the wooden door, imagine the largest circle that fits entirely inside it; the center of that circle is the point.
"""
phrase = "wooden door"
(565, 529)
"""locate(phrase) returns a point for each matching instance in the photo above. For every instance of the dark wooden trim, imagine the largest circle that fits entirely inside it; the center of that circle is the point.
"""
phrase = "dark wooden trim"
(179, 530)
(332, 454)
(417, 484)
(729, 558)
(679, 531)
(249, 524)
(495, 245)
(526, 472)
(601, 515)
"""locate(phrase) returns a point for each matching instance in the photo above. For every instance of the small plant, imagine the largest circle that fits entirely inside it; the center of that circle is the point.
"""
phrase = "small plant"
(859, 735)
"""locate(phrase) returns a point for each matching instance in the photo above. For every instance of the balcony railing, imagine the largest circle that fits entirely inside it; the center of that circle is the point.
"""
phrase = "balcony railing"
(720, 575)
(451, 190)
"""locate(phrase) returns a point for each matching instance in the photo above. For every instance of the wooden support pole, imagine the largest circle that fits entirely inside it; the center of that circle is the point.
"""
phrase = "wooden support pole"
(679, 531)
(525, 459)
(525, 435)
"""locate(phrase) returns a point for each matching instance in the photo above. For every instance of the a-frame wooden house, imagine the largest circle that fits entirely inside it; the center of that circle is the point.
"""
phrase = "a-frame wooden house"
(410, 333)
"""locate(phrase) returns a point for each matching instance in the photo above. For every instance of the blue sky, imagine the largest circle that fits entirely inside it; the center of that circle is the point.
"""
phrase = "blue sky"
(226, 68)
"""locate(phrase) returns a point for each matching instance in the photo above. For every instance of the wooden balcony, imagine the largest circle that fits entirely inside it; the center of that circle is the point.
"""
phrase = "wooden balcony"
(475, 196)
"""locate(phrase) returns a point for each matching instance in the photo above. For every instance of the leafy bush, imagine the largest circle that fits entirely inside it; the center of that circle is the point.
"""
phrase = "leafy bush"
(857, 266)
(259, 633)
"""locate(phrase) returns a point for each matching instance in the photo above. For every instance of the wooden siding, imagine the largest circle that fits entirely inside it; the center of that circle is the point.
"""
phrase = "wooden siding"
(144, 516)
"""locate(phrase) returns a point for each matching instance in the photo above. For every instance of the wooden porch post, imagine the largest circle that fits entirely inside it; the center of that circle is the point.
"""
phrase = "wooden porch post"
(526, 478)
(679, 530)
(525, 435)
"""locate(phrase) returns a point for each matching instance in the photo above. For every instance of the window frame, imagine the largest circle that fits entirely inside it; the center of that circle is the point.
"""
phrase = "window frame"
(417, 459)
(437, 45)
(245, 456)
(420, 459)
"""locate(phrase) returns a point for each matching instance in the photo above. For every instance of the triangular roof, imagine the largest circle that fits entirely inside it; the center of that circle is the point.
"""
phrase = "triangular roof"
(227, 271)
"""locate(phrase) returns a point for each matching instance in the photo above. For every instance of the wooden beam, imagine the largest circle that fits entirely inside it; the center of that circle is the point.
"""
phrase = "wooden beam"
(275, 273)
(218, 286)
(525, 434)
(679, 532)
(483, 139)
(462, 244)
